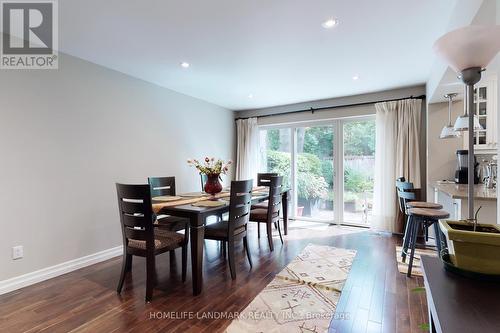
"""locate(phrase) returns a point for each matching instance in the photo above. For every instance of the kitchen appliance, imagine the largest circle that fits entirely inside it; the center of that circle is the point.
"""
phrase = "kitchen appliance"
(490, 175)
(461, 174)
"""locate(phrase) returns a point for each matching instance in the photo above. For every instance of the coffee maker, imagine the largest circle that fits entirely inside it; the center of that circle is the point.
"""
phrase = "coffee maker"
(461, 175)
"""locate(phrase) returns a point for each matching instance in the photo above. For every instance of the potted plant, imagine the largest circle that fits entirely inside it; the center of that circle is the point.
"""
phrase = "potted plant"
(473, 246)
(311, 190)
(350, 202)
(212, 168)
(311, 187)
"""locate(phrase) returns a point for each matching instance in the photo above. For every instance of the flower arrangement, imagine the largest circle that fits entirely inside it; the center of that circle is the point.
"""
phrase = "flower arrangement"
(211, 166)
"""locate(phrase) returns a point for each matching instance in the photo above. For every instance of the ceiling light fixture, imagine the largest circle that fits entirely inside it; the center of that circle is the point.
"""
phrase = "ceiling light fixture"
(448, 132)
(330, 23)
(250, 95)
(185, 64)
(462, 122)
(355, 77)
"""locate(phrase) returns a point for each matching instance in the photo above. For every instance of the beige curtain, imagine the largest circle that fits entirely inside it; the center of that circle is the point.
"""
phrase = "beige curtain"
(408, 140)
(397, 154)
(247, 150)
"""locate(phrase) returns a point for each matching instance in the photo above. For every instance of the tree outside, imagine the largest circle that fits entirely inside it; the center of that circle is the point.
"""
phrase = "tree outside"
(315, 167)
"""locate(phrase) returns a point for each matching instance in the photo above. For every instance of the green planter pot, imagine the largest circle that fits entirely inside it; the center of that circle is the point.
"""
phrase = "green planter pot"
(473, 251)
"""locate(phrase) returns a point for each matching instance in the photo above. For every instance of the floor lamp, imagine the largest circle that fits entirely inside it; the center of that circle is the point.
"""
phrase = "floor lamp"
(468, 51)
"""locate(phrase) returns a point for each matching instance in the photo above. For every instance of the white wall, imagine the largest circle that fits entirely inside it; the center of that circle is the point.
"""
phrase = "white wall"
(66, 137)
(441, 153)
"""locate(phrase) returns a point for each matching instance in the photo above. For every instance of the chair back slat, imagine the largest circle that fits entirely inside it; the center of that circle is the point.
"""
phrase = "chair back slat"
(239, 204)
(274, 204)
(137, 234)
(132, 207)
(264, 179)
(134, 220)
(160, 186)
(407, 196)
(402, 185)
(240, 210)
(136, 213)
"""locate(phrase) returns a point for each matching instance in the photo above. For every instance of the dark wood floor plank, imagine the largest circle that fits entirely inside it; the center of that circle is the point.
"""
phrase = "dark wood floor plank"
(376, 297)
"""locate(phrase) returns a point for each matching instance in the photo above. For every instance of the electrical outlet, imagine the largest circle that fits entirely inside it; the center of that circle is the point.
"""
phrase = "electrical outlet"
(17, 252)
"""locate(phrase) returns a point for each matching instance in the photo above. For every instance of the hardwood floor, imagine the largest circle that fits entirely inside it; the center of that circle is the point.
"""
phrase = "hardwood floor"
(376, 297)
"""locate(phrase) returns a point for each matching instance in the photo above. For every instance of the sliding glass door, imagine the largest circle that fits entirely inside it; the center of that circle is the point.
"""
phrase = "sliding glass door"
(308, 156)
(314, 172)
(359, 165)
(276, 153)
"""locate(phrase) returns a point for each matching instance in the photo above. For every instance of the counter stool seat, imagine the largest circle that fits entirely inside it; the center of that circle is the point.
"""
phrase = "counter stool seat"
(423, 204)
(425, 216)
(429, 214)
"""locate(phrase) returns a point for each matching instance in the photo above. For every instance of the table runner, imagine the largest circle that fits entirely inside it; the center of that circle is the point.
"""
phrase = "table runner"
(157, 206)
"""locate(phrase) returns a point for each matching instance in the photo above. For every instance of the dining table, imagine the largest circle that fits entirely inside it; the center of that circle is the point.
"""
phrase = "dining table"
(186, 206)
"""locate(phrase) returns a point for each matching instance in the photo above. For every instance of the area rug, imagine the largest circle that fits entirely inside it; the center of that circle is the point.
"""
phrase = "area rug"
(416, 269)
(302, 297)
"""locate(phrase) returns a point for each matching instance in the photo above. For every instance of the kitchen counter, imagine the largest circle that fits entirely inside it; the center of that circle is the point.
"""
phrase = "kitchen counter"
(459, 191)
(453, 197)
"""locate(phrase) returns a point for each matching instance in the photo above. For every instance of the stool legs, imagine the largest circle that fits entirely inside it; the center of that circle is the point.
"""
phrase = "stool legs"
(406, 238)
(438, 237)
(412, 245)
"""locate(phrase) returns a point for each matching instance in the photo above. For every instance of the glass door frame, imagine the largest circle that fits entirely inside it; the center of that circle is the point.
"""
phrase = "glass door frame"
(340, 179)
(338, 160)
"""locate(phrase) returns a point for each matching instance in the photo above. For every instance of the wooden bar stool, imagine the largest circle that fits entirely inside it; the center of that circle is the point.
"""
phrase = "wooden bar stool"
(417, 216)
(407, 196)
(408, 202)
(423, 204)
(404, 186)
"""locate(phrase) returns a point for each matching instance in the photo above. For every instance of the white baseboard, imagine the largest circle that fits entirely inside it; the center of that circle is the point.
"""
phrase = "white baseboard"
(56, 270)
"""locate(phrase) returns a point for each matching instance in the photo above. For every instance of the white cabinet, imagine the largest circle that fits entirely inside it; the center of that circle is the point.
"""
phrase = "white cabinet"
(451, 205)
(485, 107)
(458, 207)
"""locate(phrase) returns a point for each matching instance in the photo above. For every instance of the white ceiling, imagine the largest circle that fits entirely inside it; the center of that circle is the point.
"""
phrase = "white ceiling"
(276, 50)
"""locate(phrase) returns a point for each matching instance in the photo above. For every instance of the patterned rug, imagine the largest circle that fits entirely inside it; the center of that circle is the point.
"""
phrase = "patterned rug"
(302, 297)
(416, 269)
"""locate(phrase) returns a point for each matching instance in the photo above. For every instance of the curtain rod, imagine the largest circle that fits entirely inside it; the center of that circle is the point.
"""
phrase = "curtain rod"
(312, 110)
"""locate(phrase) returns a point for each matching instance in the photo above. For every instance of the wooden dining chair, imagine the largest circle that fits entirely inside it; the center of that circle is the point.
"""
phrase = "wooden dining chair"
(271, 214)
(165, 186)
(161, 186)
(235, 227)
(141, 237)
(263, 179)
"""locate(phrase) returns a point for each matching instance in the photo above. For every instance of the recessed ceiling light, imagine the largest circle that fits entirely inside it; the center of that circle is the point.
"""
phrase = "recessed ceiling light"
(330, 23)
(250, 95)
(355, 77)
(185, 64)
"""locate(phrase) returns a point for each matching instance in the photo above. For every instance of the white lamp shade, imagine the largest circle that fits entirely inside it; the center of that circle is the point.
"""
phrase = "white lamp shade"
(448, 132)
(472, 46)
(462, 123)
